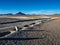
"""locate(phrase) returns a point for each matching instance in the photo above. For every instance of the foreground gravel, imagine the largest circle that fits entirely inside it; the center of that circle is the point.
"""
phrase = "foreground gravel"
(44, 34)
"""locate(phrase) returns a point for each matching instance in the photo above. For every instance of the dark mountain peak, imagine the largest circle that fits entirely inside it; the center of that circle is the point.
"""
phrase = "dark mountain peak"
(20, 13)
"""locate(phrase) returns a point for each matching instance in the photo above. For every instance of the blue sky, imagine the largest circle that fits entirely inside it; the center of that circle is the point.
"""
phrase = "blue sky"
(30, 6)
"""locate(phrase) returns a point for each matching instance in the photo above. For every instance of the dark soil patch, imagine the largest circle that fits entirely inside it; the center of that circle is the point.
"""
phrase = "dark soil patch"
(3, 33)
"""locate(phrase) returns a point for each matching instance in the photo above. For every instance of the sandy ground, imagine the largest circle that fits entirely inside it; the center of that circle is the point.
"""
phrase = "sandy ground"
(44, 34)
(3, 20)
(53, 28)
(25, 17)
(47, 33)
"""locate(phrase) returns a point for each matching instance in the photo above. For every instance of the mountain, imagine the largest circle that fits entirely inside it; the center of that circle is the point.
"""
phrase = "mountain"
(6, 14)
(9, 14)
(19, 13)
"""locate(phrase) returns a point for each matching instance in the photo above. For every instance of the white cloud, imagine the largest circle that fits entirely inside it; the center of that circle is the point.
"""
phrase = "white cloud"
(32, 12)
(44, 12)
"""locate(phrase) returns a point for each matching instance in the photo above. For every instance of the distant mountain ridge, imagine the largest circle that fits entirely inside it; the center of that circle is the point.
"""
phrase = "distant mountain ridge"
(19, 13)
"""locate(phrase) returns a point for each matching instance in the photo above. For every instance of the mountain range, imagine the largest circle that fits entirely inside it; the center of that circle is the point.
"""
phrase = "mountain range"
(19, 13)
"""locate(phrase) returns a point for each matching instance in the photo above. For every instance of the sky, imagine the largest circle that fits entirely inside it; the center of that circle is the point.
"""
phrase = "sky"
(30, 6)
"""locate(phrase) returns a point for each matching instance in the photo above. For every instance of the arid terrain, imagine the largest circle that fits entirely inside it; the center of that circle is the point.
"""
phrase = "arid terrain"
(45, 33)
